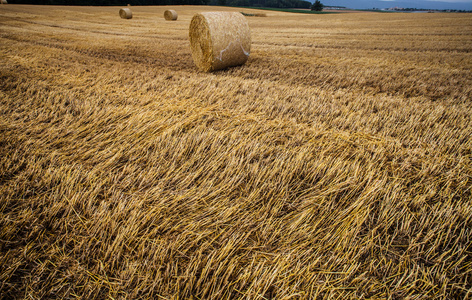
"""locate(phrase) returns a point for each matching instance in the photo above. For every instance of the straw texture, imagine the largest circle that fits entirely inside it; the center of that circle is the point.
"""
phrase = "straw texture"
(125, 13)
(219, 40)
(170, 15)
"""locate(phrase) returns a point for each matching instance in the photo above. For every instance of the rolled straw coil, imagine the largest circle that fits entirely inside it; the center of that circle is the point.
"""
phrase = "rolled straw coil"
(4, 2)
(170, 15)
(125, 13)
(219, 40)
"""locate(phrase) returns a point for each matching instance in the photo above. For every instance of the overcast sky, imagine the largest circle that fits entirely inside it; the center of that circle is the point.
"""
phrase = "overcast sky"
(444, 4)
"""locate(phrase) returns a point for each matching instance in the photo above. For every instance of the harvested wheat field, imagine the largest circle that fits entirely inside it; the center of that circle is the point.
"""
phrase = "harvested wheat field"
(334, 164)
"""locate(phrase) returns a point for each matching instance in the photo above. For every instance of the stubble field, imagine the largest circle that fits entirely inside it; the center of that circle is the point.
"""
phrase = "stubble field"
(336, 163)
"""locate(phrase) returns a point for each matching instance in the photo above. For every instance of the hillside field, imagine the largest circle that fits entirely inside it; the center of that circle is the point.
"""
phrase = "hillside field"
(335, 164)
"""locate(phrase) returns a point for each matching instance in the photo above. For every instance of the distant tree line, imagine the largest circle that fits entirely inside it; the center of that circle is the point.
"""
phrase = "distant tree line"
(110, 2)
(426, 9)
(263, 3)
(317, 6)
(253, 3)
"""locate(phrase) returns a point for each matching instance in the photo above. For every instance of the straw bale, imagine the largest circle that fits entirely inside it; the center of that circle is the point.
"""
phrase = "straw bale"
(4, 2)
(170, 15)
(125, 13)
(219, 40)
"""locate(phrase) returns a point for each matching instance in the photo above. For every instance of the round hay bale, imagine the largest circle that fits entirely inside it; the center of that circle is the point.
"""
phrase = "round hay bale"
(219, 40)
(4, 2)
(125, 13)
(170, 15)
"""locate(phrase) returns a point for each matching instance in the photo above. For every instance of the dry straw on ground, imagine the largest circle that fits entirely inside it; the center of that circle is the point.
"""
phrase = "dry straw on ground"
(170, 15)
(125, 13)
(219, 40)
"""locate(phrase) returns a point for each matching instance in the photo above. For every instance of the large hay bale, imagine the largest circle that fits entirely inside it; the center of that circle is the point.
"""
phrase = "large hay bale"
(4, 2)
(125, 13)
(219, 40)
(170, 15)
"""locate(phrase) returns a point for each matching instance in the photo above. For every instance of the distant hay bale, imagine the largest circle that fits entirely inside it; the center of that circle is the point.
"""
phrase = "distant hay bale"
(219, 40)
(125, 13)
(129, 4)
(170, 15)
(4, 2)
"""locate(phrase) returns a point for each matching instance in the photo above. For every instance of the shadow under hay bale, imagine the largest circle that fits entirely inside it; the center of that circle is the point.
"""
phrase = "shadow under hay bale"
(253, 15)
(219, 40)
